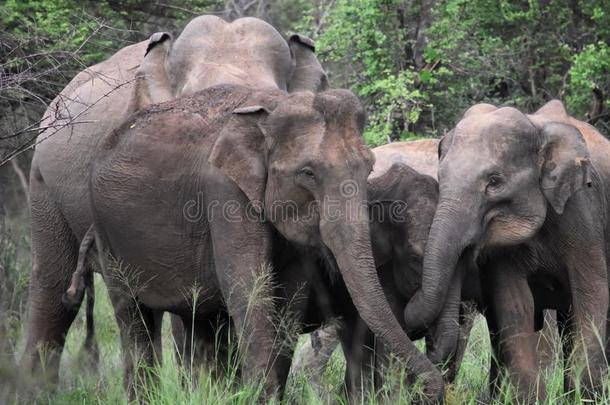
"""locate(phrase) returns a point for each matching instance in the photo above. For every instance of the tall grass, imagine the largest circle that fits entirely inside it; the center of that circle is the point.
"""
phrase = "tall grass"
(81, 385)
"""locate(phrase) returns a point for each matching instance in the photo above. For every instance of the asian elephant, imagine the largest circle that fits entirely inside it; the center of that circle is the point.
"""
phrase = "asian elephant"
(398, 241)
(401, 203)
(209, 51)
(524, 198)
(398, 247)
(280, 179)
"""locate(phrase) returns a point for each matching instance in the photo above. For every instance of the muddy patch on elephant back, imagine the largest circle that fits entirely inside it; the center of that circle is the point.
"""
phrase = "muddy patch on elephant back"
(196, 115)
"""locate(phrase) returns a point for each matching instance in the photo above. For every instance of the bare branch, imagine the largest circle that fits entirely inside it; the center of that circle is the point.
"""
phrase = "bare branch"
(22, 179)
(69, 122)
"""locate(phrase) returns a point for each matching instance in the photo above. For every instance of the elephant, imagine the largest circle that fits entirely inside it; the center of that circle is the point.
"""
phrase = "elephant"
(398, 241)
(523, 198)
(398, 248)
(402, 204)
(312, 357)
(209, 51)
(206, 191)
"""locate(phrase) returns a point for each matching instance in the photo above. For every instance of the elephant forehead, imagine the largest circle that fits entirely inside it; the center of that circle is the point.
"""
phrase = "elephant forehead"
(499, 132)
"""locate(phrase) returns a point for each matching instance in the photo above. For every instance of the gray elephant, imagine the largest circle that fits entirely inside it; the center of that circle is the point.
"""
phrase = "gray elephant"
(402, 204)
(398, 240)
(398, 247)
(272, 173)
(525, 198)
(209, 51)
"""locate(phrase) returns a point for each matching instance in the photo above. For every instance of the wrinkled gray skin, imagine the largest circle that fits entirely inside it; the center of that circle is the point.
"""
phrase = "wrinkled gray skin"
(401, 206)
(398, 239)
(209, 51)
(230, 146)
(398, 247)
(422, 156)
(525, 198)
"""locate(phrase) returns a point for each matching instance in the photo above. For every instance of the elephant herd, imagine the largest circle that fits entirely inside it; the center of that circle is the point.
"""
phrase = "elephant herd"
(217, 177)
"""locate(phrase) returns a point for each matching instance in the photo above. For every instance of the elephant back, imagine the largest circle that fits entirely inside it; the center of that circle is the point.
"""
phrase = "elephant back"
(421, 155)
(211, 51)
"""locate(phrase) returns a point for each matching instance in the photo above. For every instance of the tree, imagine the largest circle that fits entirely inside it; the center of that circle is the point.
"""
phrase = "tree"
(419, 64)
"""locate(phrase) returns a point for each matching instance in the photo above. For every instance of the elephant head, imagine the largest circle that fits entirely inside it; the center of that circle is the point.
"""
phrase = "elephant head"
(524, 167)
(302, 162)
(402, 204)
(211, 51)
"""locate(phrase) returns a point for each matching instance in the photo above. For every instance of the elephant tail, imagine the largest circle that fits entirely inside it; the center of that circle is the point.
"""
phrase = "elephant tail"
(90, 289)
(81, 283)
(90, 350)
(82, 278)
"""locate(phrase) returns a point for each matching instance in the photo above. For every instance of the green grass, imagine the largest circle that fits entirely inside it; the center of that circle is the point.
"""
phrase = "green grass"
(80, 385)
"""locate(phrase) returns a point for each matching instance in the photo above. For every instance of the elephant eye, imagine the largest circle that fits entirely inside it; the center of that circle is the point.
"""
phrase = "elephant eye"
(494, 181)
(308, 171)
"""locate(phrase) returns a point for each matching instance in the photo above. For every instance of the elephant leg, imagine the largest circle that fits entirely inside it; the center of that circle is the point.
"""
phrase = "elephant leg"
(242, 252)
(511, 312)
(608, 332)
(219, 358)
(182, 340)
(140, 329)
(54, 255)
(547, 339)
(202, 343)
(494, 363)
(295, 282)
(157, 331)
(589, 309)
(358, 344)
(565, 330)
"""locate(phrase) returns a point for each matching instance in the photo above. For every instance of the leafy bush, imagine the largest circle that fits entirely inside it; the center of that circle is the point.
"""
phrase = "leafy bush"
(365, 52)
(590, 70)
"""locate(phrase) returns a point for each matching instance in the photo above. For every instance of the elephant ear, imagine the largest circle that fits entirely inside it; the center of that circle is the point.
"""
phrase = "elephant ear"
(240, 150)
(152, 83)
(565, 163)
(443, 145)
(308, 74)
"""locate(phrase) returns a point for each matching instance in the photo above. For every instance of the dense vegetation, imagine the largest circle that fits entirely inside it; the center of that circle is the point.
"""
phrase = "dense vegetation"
(417, 65)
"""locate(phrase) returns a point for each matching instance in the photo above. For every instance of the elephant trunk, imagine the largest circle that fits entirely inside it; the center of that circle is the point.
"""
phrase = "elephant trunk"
(443, 346)
(451, 232)
(350, 243)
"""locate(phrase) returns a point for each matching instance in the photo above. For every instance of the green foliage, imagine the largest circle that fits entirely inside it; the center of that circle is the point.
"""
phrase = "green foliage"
(520, 53)
(395, 99)
(362, 42)
(590, 70)
(57, 25)
(93, 28)
(45, 43)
